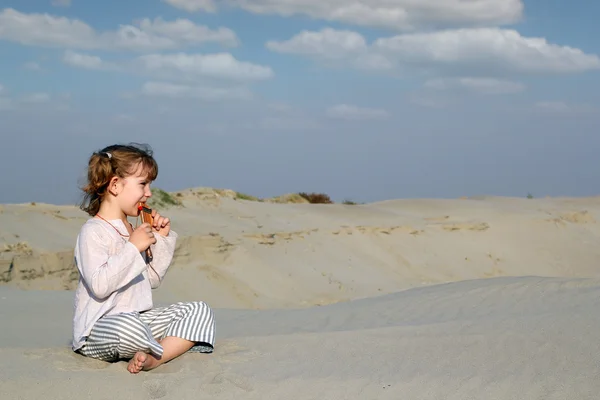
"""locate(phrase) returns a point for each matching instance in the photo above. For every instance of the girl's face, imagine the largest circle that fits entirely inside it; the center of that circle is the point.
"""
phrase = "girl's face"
(135, 189)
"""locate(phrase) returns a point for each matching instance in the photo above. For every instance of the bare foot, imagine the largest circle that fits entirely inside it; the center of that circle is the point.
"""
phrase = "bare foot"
(173, 347)
(137, 362)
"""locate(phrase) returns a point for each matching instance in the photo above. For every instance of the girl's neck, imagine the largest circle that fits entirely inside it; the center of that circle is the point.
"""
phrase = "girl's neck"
(111, 212)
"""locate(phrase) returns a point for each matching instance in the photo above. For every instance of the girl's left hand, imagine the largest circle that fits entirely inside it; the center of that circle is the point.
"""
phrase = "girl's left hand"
(161, 224)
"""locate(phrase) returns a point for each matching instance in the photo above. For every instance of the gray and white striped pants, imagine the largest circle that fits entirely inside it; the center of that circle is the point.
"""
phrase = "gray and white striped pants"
(120, 336)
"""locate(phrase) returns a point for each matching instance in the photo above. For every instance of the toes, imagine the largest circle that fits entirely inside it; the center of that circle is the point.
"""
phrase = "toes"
(141, 359)
(136, 364)
(134, 369)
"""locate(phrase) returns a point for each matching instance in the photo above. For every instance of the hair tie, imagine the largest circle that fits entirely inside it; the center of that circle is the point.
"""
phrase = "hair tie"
(108, 155)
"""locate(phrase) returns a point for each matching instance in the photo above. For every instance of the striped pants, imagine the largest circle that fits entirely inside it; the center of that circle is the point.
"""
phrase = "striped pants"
(120, 336)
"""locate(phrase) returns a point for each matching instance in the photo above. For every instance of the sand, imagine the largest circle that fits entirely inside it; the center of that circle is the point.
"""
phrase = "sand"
(477, 298)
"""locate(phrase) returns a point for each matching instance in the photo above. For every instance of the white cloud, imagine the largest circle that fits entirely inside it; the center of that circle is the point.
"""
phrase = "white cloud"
(197, 66)
(178, 66)
(44, 30)
(355, 113)
(332, 46)
(489, 49)
(193, 5)
(186, 31)
(52, 31)
(174, 91)
(477, 85)
(390, 14)
(327, 43)
(86, 61)
(209, 77)
(500, 49)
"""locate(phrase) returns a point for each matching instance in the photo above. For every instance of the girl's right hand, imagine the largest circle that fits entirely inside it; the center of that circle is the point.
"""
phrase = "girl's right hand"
(142, 237)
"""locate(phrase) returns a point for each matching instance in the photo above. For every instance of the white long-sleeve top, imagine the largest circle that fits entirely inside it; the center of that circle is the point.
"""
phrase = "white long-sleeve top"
(114, 275)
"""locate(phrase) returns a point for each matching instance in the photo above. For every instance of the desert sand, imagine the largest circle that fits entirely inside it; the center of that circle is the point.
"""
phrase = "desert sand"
(473, 298)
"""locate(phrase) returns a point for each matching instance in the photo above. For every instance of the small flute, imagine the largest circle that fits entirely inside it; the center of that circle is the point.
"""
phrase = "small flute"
(146, 214)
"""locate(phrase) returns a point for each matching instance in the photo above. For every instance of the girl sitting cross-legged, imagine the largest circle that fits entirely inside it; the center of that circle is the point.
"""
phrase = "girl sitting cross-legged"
(115, 317)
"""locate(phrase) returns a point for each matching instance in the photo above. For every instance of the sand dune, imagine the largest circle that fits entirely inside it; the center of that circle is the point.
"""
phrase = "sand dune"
(248, 254)
(502, 338)
(474, 298)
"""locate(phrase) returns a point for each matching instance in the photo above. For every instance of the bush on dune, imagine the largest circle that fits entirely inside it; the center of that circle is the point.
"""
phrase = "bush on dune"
(162, 199)
(316, 198)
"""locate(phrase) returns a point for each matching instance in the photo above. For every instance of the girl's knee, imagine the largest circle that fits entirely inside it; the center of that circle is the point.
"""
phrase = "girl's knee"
(195, 305)
(202, 307)
(200, 310)
(200, 304)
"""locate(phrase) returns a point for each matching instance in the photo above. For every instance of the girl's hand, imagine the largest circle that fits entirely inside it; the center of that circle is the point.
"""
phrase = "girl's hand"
(142, 237)
(161, 224)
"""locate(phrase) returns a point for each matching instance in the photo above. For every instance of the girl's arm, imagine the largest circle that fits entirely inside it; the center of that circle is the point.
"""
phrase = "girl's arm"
(102, 272)
(162, 252)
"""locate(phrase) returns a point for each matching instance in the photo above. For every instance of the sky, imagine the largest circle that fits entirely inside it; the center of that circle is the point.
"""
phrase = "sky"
(367, 100)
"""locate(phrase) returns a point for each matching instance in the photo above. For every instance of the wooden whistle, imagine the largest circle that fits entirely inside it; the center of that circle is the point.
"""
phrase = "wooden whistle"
(146, 214)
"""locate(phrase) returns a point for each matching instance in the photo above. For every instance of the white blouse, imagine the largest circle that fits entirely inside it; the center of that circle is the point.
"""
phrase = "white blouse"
(114, 275)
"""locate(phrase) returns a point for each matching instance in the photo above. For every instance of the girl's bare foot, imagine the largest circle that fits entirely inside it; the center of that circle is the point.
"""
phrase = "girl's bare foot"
(137, 362)
(173, 347)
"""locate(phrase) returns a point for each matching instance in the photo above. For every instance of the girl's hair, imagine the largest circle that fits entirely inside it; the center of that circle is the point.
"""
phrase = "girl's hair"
(116, 160)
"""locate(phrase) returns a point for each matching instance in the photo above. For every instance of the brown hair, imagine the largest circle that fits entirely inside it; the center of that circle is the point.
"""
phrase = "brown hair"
(116, 160)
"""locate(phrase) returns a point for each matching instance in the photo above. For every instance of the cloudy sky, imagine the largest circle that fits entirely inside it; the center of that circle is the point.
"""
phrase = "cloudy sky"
(365, 100)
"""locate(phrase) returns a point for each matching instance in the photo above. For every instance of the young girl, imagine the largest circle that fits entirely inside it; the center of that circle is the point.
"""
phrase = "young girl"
(114, 314)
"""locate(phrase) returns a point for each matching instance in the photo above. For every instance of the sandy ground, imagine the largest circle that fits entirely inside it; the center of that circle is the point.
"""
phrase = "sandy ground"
(485, 298)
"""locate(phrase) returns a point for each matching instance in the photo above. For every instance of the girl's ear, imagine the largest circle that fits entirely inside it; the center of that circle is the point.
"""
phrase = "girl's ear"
(113, 186)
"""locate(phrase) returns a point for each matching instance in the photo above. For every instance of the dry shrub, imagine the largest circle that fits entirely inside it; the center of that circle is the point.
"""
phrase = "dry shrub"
(294, 198)
(316, 198)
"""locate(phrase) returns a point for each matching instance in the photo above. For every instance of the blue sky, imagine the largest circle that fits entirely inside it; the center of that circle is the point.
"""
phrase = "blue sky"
(369, 101)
